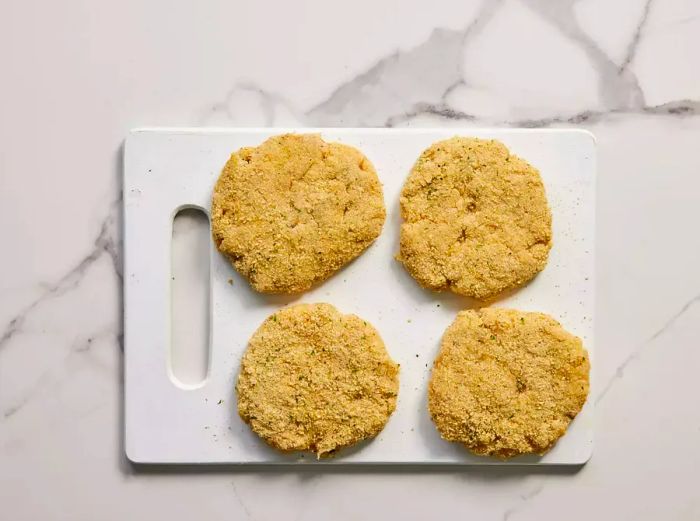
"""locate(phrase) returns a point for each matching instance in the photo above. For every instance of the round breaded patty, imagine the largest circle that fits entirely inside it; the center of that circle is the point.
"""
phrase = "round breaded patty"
(507, 382)
(314, 379)
(293, 210)
(476, 219)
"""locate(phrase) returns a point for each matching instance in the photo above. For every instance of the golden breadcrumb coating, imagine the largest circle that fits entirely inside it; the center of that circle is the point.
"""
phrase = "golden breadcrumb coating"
(295, 209)
(476, 219)
(507, 382)
(314, 379)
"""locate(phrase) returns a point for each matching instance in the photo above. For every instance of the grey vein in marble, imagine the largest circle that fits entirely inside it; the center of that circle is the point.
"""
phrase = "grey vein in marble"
(380, 97)
(268, 101)
(240, 501)
(634, 44)
(79, 348)
(37, 385)
(636, 353)
(375, 96)
(618, 88)
(16, 407)
(525, 498)
(106, 243)
(672, 108)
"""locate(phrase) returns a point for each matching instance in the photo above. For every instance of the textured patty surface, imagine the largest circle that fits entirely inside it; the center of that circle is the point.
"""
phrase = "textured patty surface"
(476, 219)
(314, 379)
(295, 209)
(507, 382)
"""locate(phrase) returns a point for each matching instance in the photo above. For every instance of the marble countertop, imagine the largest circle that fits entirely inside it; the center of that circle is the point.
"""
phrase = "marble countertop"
(78, 75)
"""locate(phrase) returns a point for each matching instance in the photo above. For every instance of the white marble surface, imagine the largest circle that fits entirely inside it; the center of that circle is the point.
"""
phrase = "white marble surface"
(76, 75)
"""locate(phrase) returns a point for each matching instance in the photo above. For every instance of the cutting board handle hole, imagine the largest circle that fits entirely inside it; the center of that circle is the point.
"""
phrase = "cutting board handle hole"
(190, 298)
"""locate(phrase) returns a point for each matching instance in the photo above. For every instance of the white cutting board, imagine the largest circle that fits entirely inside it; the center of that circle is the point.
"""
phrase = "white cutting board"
(167, 169)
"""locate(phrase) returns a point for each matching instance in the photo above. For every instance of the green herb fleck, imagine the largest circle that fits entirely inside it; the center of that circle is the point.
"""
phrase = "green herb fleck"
(493, 337)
